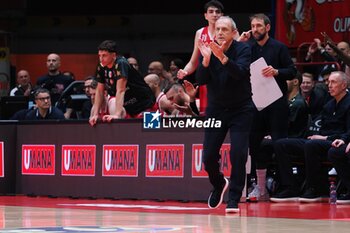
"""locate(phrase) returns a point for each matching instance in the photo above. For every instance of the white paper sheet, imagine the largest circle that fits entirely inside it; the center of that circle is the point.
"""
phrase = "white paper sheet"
(265, 89)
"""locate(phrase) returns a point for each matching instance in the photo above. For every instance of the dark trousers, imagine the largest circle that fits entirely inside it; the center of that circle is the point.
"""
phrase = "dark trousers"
(341, 162)
(313, 151)
(273, 120)
(238, 122)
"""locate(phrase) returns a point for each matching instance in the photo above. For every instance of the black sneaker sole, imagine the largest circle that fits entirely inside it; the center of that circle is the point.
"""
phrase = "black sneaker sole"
(221, 197)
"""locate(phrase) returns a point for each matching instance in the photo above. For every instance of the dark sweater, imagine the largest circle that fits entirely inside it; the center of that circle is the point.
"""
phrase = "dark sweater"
(276, 55)
(228, 85)
(335, 119)
(53, 113)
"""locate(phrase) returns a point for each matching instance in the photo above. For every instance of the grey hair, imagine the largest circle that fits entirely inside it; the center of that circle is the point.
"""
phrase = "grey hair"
(343, 76)
(234, 27)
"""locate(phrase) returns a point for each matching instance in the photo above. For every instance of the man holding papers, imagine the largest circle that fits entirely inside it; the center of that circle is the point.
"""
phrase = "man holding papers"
(273, 119)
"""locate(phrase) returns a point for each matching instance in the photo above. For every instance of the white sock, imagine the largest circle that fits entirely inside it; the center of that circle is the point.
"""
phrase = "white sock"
(261, 175)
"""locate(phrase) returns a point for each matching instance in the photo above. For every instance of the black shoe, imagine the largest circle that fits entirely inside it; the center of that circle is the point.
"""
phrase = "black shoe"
(232, 207)
(344, 198)
(217, 195)
(310, 195)
(286, 195)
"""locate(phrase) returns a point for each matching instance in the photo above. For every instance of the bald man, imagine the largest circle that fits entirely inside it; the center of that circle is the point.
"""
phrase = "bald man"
(163, 104)
(156, 67)
(54, 80)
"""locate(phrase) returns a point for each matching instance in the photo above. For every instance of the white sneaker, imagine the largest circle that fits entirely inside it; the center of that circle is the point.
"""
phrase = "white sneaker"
(332, 172)
(254, 194)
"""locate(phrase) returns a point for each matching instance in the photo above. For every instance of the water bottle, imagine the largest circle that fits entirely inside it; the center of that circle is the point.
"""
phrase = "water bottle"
(332, 193)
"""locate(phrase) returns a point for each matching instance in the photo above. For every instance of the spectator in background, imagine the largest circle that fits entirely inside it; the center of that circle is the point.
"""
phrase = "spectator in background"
(44, 109)
(213, 10)
(342, 49)
(298, 110)
(334, 132)
(54, 80)
(132, 61)
(24, 86)
(156, 67)
(90, 85)
(297, 127)
(327, 54)
(69, 74)
(175, 65)
(314, 97)
(324, 76)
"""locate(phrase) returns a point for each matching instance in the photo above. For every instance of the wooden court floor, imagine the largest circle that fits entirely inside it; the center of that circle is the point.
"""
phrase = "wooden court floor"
(43, 214)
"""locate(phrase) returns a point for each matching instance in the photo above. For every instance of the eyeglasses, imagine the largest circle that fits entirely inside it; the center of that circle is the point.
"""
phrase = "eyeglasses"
(43, 98)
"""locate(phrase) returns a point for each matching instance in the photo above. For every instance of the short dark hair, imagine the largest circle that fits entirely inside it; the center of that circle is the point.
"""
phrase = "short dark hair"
(108, 45)
(261, 16)
(299, 77)
(214, 3)
(41, 90)
(93, 81)
(178, 62)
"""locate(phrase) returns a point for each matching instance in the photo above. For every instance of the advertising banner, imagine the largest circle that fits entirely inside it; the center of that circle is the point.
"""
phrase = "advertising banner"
(165, 160)
(38, 160)
(78, 160)
(120, 160)
(299, 21)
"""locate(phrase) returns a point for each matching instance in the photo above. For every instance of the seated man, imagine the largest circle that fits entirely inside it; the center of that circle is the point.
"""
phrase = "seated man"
(108, 104)
(297, 125)
(335, 118)
(90, 85)
(84, 113)
(24, 87)
(183, 101)
(162, 103)
(44, 109)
